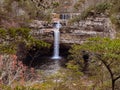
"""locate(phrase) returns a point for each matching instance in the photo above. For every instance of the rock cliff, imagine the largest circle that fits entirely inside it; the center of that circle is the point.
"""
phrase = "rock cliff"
(79, 32)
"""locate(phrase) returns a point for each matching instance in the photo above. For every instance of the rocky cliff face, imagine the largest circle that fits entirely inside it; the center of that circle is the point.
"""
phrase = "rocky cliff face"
(91, 27)
(79, 32)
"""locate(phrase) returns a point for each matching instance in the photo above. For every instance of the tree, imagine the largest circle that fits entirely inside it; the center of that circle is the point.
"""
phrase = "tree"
(27, 9)
(106, 51)
(12, 68)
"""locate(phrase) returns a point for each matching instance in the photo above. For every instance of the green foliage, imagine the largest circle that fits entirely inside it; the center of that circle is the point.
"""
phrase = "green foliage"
(115, 20)
(31, 9)
(98, 9)
(2, 32)
(79, 4)
(91, 11)
(55, 4)
(105, 57)
(83, 15)
(75, 19)
(115, 6)
(18, 33)
(86, 13)
(102, 7)
(114, 14)
(111, 9)
(37, 43)
(20, 87)
(12, 37)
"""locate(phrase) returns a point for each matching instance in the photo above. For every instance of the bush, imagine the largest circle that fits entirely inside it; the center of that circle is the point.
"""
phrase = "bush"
(12, 70)
(101, 8)
(92, 11)
(86, 13)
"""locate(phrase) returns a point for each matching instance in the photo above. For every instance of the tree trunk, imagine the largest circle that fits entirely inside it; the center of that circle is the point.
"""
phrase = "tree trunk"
(113, 84)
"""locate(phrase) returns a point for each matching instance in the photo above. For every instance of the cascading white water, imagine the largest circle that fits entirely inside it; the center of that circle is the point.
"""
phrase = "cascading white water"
(56, 41)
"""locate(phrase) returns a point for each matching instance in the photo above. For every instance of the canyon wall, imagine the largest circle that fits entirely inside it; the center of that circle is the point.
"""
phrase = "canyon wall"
(79, 32)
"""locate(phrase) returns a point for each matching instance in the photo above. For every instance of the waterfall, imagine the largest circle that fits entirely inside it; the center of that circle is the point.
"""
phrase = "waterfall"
(56, 41)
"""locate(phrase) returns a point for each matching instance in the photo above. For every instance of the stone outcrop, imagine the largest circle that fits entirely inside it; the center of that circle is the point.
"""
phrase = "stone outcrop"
(79, 32)
(91, 27)
(36, 24)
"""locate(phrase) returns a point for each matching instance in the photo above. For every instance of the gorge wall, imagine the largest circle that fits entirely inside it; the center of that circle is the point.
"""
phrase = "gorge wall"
(76, 33)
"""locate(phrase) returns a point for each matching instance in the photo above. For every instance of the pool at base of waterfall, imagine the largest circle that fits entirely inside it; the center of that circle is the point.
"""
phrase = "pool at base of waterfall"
(56, 57)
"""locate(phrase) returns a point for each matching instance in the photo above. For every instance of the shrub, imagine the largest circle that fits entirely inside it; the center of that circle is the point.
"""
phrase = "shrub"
(101, 8)
(12, 70)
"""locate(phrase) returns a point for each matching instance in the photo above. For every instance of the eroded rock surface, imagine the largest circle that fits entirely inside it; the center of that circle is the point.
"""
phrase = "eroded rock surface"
(79, 32)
